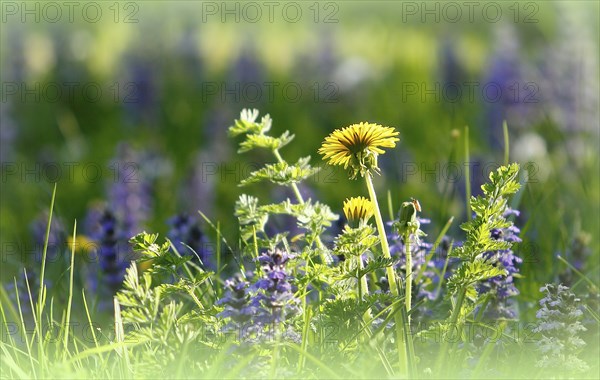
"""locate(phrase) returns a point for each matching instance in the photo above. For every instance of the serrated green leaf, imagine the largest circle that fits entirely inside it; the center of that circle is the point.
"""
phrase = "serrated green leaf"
(254, 141)
(282, 173)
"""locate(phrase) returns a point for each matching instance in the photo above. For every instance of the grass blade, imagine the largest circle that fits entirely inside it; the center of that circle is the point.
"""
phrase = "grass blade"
(70, 300)
(467, 174)
(506, 143)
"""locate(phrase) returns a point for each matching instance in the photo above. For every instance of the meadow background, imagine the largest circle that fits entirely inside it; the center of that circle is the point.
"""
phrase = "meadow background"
(137, 100)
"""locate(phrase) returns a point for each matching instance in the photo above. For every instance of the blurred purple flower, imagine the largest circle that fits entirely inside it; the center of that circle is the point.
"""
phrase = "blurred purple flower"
(246, 68)
(139, 90)
(451, 70)
(188, 238)
(509, 89)
(113, 254)
(130, 194)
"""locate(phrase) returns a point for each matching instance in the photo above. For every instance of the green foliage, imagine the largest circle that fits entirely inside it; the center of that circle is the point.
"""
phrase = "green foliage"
(255, 132)
(356, 241)
(282, 173)
(312, 217)
(251, 217)
(166, 318)
(489, 212)
(470, 273)
(247, 124)
(373, 265)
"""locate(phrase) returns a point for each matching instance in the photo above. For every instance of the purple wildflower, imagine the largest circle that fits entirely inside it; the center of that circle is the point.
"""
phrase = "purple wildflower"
(451, 71)
(130, 194)
(113, 258)
(246, 68)
(237, 302)
(140, 95)
(510, 93)
(274, 291)
(258, 310)
(577, 253)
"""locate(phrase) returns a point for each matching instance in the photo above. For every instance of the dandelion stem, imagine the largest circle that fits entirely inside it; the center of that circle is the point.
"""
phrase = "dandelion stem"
(381, 229)
(391, 276)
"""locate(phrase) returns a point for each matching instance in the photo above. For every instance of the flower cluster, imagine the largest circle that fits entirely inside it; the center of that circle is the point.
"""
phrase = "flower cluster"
(130, 195)
(112, 251)
(275, 295)
(237, 302)
(263, 305)
(559, 325)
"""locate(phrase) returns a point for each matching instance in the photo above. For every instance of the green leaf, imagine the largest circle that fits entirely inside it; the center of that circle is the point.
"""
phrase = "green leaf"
(469, 273)
(355, 241)
(282, 173)
(254, 141)
(247, 123)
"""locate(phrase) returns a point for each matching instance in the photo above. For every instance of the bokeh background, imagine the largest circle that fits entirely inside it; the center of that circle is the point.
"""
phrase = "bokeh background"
(127, 104)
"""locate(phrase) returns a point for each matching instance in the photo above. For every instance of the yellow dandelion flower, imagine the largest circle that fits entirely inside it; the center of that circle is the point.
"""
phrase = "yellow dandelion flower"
(358, 146)
(358, 210)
